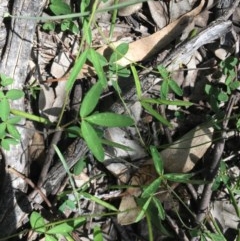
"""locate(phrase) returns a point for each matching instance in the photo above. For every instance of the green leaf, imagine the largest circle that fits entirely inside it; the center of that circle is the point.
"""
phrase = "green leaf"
(60, 7)
(215, 236)
(91, 99)
(37, 222)
(14, 94)
(12, 130)
(137, 82)
(79, 166)
(87, 31)
(234, 85)
(3, 127)
(183, 178)
(101, 59)
(143, 209)
(49, 26)
(50, 238)
(228, 64)
(157, 160)
(5, 80)
(4, 109)
(208, 89)
(222, 97)
(14, 120)
(92, 140)
(152, 188)
(74, 131)
(5, 143)
(116, 69)
(108, 119)
(163, 72)
(76, 69)
(97, 234)
(155, 114)
(174, 86)
(74, 28)
(119, 52)
(167, 102)
(62, 228)
(2, 95)
(158, 204)
(68, 204)
(99, 201)
(65, 24)
(116, 145)
(98, 67)
(164, 89)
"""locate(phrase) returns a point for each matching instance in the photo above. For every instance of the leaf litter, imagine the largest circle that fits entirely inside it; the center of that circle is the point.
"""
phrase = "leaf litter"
(185, 146)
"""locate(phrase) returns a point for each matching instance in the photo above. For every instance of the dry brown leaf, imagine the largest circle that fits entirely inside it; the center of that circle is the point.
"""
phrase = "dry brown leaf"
(148, 46)
(183, 155)
(178, 158)
(159, 13)
(128, 207)
(141, 49)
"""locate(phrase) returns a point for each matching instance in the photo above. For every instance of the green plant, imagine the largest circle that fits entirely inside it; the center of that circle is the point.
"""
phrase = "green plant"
(219, 93)
(149, 201)
(148, 103)
(58, 8)
(9, 134)
(91, 121)
(53, 231)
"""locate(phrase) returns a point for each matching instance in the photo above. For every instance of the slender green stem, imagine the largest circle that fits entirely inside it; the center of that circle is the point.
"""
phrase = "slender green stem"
(30, 116)
(77, 15)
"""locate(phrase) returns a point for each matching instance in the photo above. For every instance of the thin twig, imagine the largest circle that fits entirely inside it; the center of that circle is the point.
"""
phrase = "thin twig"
(218, 150)
(30, 183)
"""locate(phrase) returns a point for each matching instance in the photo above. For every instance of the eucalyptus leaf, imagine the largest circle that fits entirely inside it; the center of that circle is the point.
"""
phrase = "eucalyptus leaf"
(108, 119)
(91, 99)
(92, 140)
